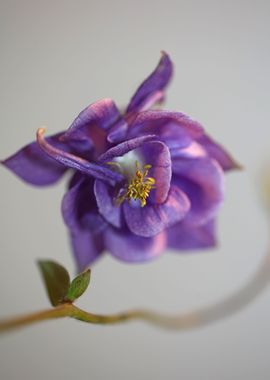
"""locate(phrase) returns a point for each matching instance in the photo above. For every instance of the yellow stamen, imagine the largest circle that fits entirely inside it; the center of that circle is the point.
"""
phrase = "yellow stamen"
(139, 186)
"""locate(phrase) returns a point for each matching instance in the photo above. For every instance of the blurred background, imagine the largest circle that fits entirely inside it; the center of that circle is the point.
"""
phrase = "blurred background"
(56, 58)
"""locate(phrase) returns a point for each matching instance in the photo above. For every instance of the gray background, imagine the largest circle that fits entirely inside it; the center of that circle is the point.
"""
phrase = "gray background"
(56, 58)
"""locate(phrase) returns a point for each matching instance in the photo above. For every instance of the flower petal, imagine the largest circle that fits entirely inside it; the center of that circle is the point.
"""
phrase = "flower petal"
(187, 237)
(202, 180)
(117, 133)
(150, 91)
(92, 126)
(166, 130)
(131, 248)
(157, 155)
(148, 221)
(217, 152)
(123, 148)
(34, 166)
(105, 202)
(85, 225)
(193, 150)
(153, 121)
(87, 248)
(103, 114)
(77, 163)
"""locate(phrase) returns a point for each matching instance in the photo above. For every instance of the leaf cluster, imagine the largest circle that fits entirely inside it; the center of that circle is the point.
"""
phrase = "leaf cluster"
(58, 285)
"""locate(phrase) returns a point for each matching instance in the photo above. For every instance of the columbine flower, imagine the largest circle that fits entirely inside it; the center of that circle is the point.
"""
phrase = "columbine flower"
(142, 181)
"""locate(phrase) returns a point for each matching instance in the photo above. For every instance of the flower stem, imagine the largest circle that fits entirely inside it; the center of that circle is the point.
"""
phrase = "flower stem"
(70, 310)
(195, 319)
(58, 312)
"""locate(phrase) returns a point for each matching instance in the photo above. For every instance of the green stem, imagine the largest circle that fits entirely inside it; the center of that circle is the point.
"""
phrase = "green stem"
(58, 312)
(197, 318)
(70, 310)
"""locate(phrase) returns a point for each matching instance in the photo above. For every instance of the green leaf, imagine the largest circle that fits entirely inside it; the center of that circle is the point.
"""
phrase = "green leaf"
(78, 286)
(56, 279)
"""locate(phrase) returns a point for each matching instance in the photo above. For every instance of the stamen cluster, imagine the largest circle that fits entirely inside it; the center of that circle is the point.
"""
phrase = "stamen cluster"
(139, 186)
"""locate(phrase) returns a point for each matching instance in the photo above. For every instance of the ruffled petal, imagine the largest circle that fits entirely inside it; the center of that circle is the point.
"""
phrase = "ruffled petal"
(105, 201)
(78, 163)
(217, 152)
(85, 225)
(103, 114)
(34, 166)
(164, 124)
(184, 236)
(202, 180)
(117, 133)
(165, 130)
(93, 124)
(158, 156)
(150, 220)
(128, 247)
(151, 90)
(193, 150)
(124, 147)
(87, 248)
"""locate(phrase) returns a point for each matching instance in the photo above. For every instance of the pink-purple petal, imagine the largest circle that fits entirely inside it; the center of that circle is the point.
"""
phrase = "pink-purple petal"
(193, 150)
(167, 131)
(128, 247)
(150, 91)
(118, 133)
(124, 147)
(85, 225)
(150, 119)
(202, 180)
(103, 114)
(217, 152)
(157, 154)
(105, 198)
(150, 220)
(34, 166)
(184, 236)
(87, 248)
(156, 97)
(72, 161)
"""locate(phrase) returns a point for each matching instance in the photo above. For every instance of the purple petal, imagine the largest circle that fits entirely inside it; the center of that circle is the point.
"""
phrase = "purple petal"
(92, 125)
(151, 122)
(123, 148)
(202, 180)
(157, 155)
(77, 163)
(79, 205)
(217, 152)
(150, 91)
(131, 248)
(148, 221)
(187, 237)
(105, 202)
(85, 225)
(118, 133)
(87, 248)
(193, 150)
(166, 130)
(103, 114)
(34, 166)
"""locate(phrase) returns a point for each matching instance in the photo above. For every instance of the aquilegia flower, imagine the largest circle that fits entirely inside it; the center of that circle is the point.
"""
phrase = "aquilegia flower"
(142, 181)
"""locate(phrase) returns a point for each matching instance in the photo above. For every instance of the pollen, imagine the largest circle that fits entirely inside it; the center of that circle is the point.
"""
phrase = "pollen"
(139, 186)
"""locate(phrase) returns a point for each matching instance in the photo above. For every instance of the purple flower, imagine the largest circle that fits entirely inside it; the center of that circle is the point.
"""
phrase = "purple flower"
(141, 181)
